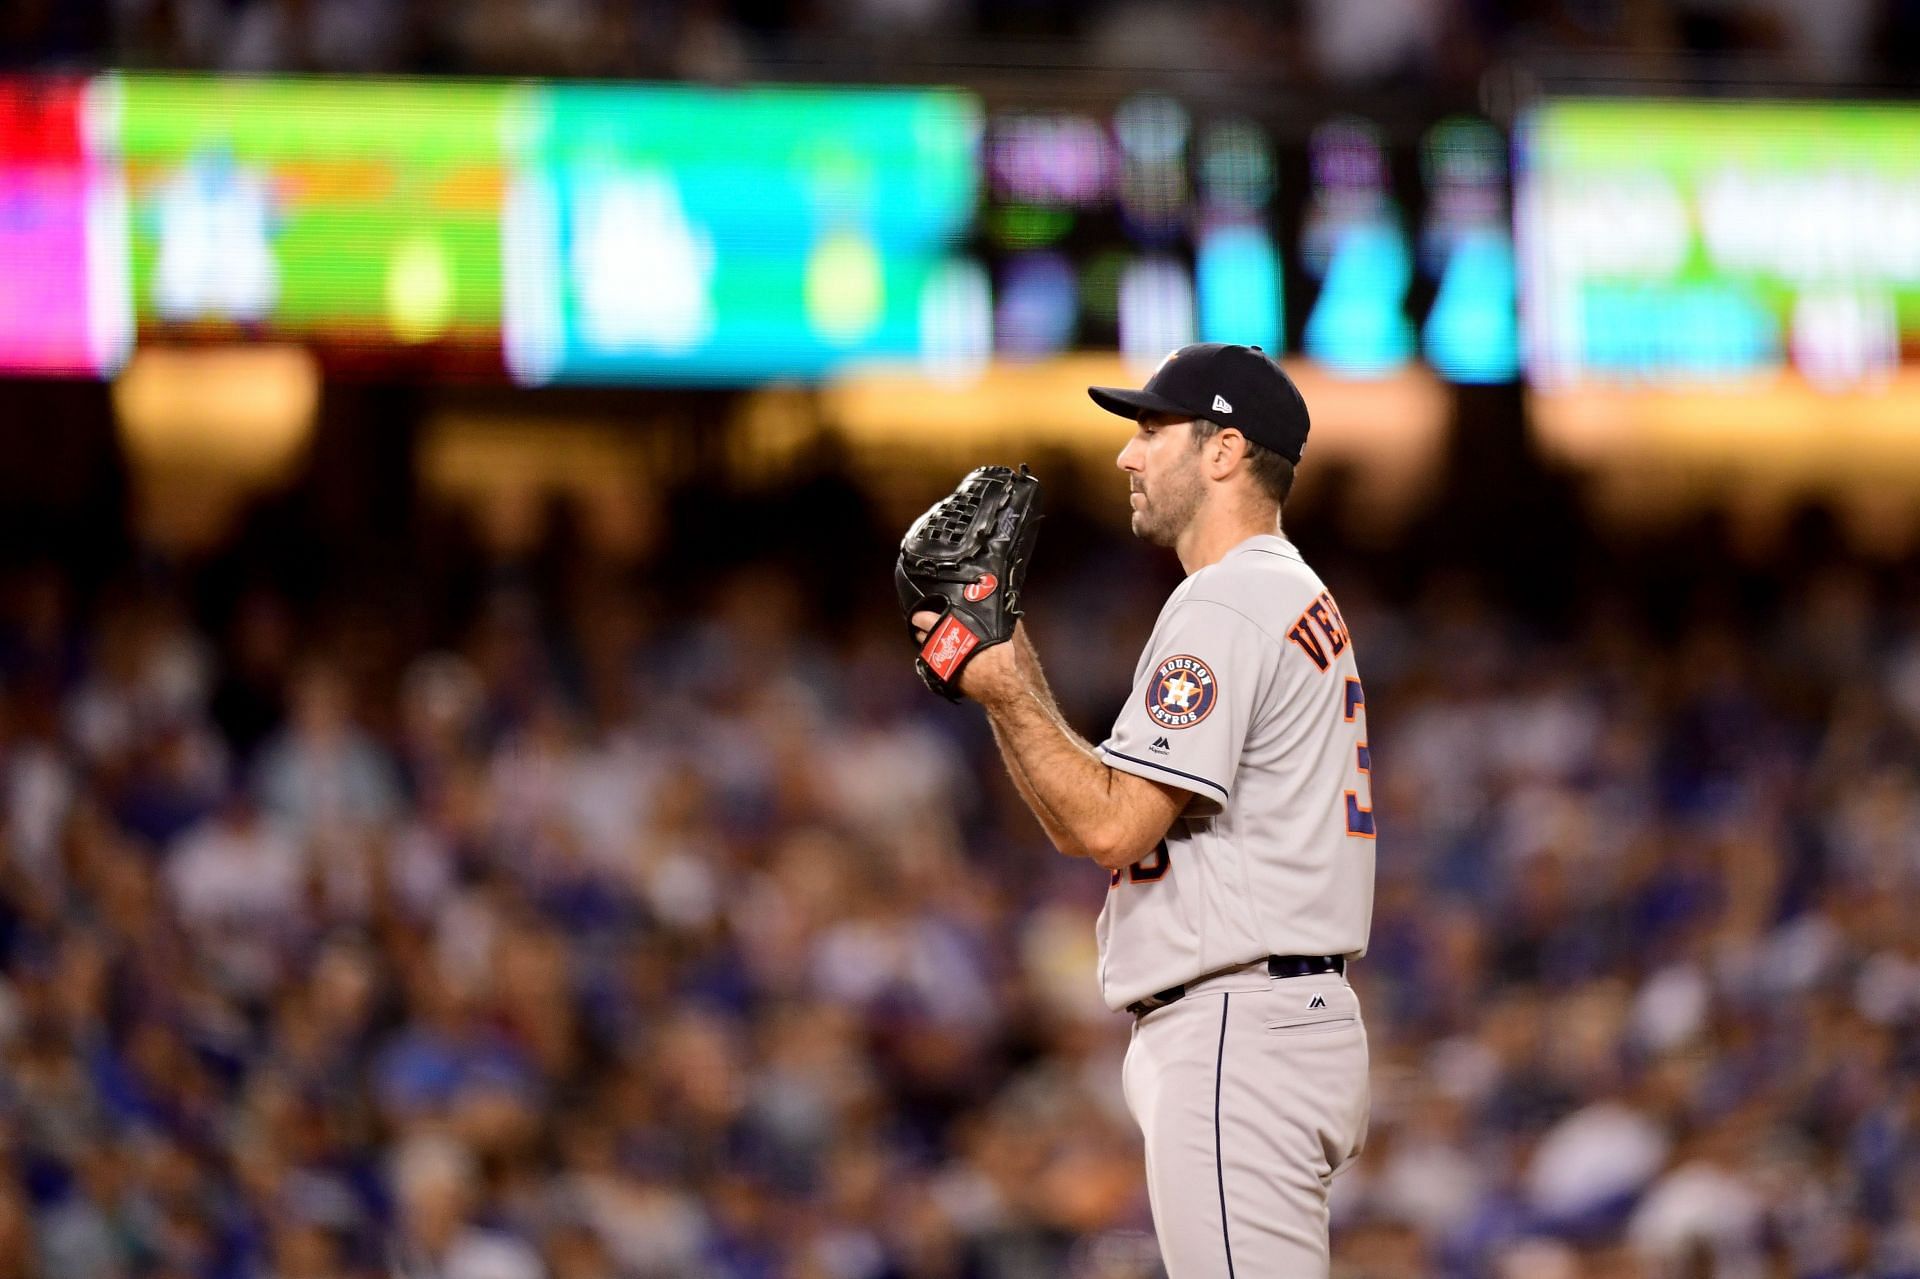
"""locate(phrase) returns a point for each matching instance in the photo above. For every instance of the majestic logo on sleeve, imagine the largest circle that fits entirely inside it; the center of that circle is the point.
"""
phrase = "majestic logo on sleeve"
(1181, 692)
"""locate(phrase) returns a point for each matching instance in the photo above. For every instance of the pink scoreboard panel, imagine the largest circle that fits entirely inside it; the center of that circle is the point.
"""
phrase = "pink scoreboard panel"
(63, 298)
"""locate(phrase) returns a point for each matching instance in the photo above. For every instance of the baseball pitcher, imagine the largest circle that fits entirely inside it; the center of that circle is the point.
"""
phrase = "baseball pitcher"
(1231, 804)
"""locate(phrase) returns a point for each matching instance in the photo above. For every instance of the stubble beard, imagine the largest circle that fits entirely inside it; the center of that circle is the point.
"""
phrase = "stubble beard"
(1161, 523)
(1142, 527)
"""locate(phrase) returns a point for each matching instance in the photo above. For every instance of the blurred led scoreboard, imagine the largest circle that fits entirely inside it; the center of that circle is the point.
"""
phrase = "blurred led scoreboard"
(554, 232)
(680, 234)
(1152, 227)
(1735, 245)
(63, 305)
(362, 217)
(676, 234)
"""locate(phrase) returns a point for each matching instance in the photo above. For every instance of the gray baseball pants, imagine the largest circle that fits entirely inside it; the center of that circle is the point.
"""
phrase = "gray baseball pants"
(1251, 1093)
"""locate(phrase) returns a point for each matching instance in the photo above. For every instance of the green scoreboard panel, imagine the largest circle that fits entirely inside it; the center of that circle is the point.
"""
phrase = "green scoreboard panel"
(1702, 243)
(363, 216)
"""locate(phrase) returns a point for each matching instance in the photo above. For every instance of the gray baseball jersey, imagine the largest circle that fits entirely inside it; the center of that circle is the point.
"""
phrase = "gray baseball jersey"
(1247, 695)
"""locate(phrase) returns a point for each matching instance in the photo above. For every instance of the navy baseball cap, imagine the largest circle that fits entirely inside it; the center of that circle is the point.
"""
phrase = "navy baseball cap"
(1238, 386)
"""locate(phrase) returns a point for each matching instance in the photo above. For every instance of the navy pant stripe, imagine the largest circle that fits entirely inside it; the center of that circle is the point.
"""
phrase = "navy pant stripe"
(1219, 1163)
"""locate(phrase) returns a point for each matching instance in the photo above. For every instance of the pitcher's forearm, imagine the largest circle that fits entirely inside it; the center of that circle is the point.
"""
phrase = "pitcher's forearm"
(1055, 832)
(1086, 808)
(1063, 781)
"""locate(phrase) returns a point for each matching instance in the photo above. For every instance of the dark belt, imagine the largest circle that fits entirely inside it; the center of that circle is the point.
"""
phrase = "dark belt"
(1277, 966)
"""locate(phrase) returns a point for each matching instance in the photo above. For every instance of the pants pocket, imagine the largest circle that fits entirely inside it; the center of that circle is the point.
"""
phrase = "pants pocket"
(1298, 1006)
(1310, 1027)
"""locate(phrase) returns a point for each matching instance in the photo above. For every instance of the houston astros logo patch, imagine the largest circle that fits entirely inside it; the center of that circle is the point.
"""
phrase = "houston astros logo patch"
(1181, 692)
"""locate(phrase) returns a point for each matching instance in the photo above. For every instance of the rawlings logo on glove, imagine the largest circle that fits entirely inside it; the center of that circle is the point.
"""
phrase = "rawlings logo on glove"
(966, 559)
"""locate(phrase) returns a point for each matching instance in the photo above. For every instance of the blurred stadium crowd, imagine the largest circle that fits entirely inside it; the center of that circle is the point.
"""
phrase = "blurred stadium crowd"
(574, 919)
(1309, 42)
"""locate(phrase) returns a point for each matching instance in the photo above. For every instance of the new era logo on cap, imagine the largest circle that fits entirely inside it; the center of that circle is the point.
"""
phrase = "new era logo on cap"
(1220, 404)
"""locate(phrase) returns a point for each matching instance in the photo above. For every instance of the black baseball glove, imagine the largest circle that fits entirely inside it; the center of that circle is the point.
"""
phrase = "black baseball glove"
(966, 559)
